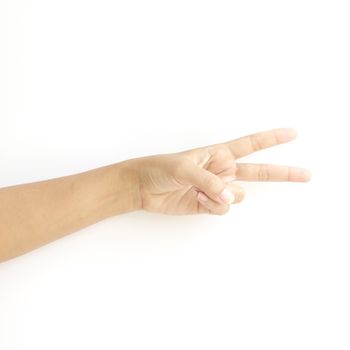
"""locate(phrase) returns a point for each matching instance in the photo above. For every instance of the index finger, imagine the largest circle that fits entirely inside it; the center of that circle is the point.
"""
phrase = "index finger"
(252, 143)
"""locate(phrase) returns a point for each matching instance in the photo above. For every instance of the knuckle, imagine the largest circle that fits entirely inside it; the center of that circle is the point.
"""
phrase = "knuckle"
(221, 153)
(240, 194)
(255, 143)
(275, 137)
(211, 182)
(263, 173)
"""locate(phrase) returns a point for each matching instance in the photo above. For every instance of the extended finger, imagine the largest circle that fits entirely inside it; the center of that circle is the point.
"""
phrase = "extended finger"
(252, 143)
(270, 172)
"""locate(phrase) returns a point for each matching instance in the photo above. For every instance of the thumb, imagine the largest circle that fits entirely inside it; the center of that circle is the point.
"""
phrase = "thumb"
(212, 185)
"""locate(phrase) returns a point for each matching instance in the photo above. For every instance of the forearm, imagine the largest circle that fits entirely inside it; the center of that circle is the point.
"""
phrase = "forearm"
(32, 215)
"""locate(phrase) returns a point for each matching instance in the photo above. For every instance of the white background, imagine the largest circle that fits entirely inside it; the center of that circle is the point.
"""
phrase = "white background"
(89, 83)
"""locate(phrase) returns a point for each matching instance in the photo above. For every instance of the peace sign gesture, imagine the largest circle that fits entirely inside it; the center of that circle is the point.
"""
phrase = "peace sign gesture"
(201, 180)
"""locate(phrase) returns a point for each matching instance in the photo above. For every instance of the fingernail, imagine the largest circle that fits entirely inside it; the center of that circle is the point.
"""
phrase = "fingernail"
(202, 197)
(303, 175)
(227, 196)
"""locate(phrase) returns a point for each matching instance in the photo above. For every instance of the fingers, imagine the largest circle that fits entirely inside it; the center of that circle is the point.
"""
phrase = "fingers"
(252, 143)
(212, 185)
(269, 172)
(208, 206)
(237, 191)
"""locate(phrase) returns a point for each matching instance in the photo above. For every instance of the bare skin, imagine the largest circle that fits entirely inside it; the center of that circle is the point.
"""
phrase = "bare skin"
(196, 181)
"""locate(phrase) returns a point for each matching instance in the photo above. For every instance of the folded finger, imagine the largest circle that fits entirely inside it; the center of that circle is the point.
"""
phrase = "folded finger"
(209, 206)
(238, 192)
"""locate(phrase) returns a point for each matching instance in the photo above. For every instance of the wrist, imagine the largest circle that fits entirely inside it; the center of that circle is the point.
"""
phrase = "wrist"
(125, 180)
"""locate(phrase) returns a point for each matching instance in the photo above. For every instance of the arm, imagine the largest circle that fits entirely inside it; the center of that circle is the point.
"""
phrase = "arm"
(196, 181)
(34, 214)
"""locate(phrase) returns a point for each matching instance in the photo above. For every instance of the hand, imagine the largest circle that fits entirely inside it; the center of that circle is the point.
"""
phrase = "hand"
(201, 180)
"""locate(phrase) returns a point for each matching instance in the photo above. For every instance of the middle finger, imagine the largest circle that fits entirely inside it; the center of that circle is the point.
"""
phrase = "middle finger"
(270, 172)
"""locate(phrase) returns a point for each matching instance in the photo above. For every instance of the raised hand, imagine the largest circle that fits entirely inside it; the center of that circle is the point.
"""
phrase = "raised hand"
(201, 180)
